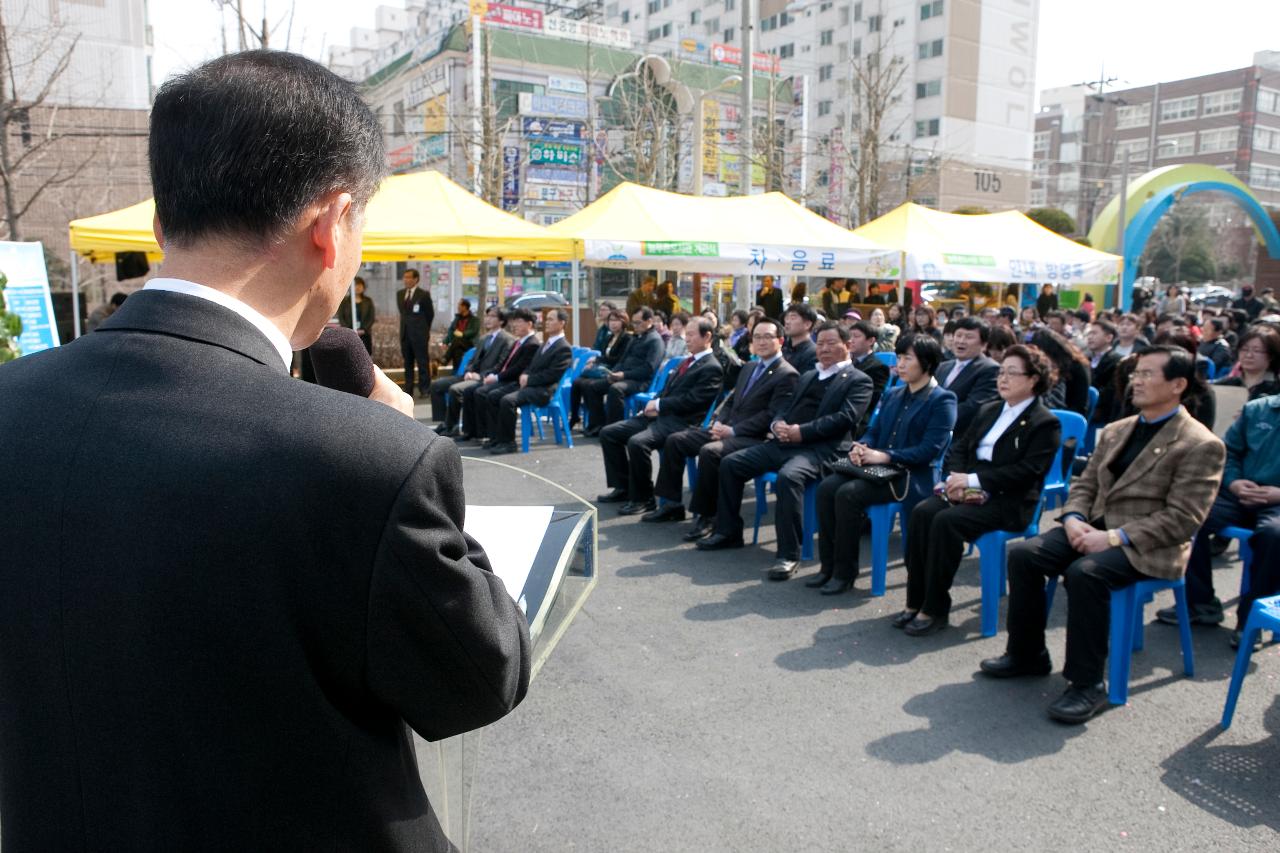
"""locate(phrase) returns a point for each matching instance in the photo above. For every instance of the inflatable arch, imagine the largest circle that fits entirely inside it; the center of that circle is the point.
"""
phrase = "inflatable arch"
(1150, 197)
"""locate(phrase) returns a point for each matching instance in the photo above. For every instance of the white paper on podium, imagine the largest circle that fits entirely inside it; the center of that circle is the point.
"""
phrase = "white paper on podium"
(511, 537)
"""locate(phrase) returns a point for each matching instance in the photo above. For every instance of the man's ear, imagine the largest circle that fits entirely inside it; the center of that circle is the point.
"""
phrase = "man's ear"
(332, 226)
(157, 230)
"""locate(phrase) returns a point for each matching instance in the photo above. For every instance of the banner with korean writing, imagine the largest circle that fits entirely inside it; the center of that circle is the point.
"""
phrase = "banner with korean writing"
(550, 128)
(554, 153)
(510, 177)
(1061, 270)
(435, 114)
(727, 54)
(743, 259)
(26, 294)
(516, 17)
(557, 106)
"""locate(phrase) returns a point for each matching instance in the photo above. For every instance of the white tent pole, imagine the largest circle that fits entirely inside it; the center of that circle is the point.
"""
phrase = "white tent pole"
(75, 296)
(902, 279)
(576, 297)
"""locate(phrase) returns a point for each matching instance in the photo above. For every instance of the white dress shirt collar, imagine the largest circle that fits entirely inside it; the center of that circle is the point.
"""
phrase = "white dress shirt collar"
(826, 372)
(547, 344)
(706, 352)
(261, 323)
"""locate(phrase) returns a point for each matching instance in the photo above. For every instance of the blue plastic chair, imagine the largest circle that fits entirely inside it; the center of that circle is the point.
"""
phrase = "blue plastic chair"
(1093, 403)
(634, 403)
(881, 518)
(1127, 605)
(1243, 534)
(691, 463)
(763, 482)
(1265, 614)
(889, 359)
(462, 366)
(556, 410)
(1056, 484)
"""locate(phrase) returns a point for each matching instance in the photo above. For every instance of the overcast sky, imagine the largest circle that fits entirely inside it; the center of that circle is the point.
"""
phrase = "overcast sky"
(1136, 41)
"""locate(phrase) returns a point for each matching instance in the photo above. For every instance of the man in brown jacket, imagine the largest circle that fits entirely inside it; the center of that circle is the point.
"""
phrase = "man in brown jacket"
(1131, 516)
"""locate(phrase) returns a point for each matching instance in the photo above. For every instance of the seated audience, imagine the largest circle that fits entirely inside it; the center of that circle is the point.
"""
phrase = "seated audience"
(798, 348)
(536, 383)
(461, 334)
(996, 470)
(676, 347)
(627, 445)
(634, 373)
(491, 352)
(740, 335)
(924, 320)
(594, 379)
(1131, 515)
(911, 431)
(1250, 498)
(1129, 337)
(1072, 389)
(501, 381)
(603, 334)
(862, 352)
(1259, 360)
(1101, 339)
(762, 392)
(999, 339)
(828, 403)
(1213, 344)
(970, 375)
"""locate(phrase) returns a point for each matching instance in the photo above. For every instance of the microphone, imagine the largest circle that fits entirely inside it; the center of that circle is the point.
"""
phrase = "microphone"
(341, 362)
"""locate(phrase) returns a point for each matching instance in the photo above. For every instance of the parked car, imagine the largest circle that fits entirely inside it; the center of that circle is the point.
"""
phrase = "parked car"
(1211, 296)
(536, 300)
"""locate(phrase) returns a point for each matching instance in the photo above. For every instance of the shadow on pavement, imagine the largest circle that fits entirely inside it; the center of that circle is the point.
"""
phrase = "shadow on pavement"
(1238, 783)
(873, 643)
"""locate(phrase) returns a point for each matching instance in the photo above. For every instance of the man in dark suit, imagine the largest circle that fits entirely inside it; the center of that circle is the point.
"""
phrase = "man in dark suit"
(606, 399)
(536, 385)
(491, 351)
(1100, 338)
(828, 403)
(479, 404)
(769, 298)
(461, 334)
(970, 375)
(215, 641)
(862, 352)
(762, 393)
(798, 347)
(416, 315)
(628, 445)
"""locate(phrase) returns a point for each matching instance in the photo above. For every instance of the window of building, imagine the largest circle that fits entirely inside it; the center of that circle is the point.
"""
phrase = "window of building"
(626, 16)
(1266, 139)
(666, 29)
(844, 52)
(1264, 177)
(729, 33)
(1136, 148)
(655, 33)
(713, 25)
(1221, 103)
(928, 89)
(695, 16)
(844, 16)
(784, 19)
(927, 127)
(654, 6)
(1134, 115)
(842, 87)
(1176, 145)
(857, 11)
(1041, 144)
(824, 73)
(1179, 109)
(787, 51)
(1222, 139)
(1039, 198)
(929, 49)
(1269, 101)
(826, 37)
(873, 24)
(729, 4)
(768, 24)
(824, 108)
(822, 7)
(857, 49)
(930, 10)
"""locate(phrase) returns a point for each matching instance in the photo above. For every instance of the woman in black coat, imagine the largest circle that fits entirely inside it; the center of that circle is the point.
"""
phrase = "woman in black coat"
(1001, 460)
(1071, 392)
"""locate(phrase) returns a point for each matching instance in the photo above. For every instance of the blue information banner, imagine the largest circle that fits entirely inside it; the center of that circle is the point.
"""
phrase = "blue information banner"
(27, 295)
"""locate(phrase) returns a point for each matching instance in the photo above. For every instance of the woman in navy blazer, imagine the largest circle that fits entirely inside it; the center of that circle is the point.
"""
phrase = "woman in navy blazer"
(912, 429)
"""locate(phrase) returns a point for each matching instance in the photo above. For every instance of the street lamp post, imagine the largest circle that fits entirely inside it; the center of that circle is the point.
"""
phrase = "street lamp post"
(744, 132)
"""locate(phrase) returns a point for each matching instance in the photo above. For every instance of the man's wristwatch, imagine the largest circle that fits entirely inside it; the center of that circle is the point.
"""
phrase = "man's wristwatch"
(1113, 539)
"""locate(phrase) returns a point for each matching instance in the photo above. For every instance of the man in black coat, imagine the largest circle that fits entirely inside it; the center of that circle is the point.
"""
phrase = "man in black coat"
(536, 385)
(769, 298)
(828, 403)
(606, 404)
(215, 635)
(797, 345)
(862, 352)
(416, 314)
(970, 375)
(628, 445)
(492, 349)
(480, 404)
(1100, 338)
(762, 393)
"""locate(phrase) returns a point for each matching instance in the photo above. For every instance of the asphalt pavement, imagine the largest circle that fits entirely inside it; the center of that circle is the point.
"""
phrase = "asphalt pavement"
(694, 705)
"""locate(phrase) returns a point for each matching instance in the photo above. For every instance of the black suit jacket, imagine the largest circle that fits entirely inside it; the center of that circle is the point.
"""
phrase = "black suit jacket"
(974, 388)
(415, 323)
(1019, 460)
(642, 357)
(843, 405)
(751, 413)
(489, 358)
(215, 632)
(687, 398)
(546, 368)
(879, 373)
(520, 361)
(1104, 379)
(802, 357)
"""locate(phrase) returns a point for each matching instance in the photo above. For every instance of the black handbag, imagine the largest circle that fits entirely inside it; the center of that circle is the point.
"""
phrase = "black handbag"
(886, 475)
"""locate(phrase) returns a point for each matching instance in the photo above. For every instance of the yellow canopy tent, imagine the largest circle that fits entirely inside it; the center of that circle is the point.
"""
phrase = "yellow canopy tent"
(635, 227)
(1000, 247)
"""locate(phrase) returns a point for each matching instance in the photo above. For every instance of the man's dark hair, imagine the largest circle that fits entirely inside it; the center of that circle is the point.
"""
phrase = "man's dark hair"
(1219, 324)
(608, 306)
(777, 327)
(417, 276)
(704, 326)
(740, 314)
(803, 311)
(1000, 339)
(868, 331)
(949, 327)
(242, 144)
(1181, 364)
(832, 326)
(499, 311)
(645, 312)
(466, 302)
(682, 316)
(360, 280)
(559, 313)
(117, 298)
(926, 350)
(1107, 329)
(522, 314)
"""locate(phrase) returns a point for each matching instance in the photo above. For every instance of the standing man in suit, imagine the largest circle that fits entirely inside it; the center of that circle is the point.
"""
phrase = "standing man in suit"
(216, 644)
(628, 445)
(761, 394)
(1131, 516)
(537, 383)
(1100, 338)
(799, 349)
(970, 375)
(634, 374)
(481, 402)
(769, 298)
(416, 315)
(828, 403)
(862, 352)
(491, 351)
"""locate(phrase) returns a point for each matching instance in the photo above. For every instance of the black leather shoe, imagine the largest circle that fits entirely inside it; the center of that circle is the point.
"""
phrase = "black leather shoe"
(701, 528)
(783, 569)
(499, 448)
(591, 432)
(1007, 666)
(1079, 704)
(904, 618)
(718, 541)
(836, 587)
(666, 512)
(817, 580)
(613, 496)
(923, 626)
(487, 443)
(464, 436)
(637, 507)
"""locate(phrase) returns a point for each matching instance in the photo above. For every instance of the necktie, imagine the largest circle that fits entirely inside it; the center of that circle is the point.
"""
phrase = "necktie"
(408, 297)
(510, 356)
(955, 371)
(684, 367)
(756, 374)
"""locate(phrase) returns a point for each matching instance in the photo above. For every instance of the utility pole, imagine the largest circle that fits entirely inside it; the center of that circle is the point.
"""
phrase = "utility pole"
(744, 131)
(1094, 116)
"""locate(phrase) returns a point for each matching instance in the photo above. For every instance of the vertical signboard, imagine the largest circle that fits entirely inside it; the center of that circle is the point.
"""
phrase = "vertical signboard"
(510, 177)
(26, 293)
